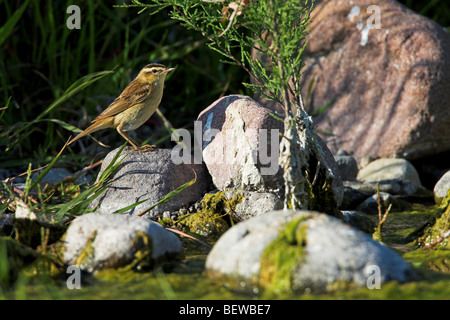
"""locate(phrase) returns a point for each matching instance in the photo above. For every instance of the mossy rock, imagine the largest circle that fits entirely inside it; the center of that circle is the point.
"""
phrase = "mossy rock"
(283, 255)
(205, 224)
(438, 235)
(303, 251)
(209, 221)
(98, 241)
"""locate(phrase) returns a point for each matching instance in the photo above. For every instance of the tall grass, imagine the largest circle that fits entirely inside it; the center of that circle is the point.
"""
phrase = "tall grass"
(40, 57)
(54, 80)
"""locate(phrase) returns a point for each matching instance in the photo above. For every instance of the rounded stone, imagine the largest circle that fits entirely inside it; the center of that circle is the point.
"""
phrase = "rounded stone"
(442, 187)
(389, 169)
(330, 253)
(150, 176)
(99, 241)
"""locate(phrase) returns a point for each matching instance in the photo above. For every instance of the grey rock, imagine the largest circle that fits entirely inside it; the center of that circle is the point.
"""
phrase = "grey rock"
(353, 197)
(238, 252)
(363, 161)
(394, 186)
(150, 176)
(356, 192)
(53, 176)
(389, 169)
(9, 174)
(370, 205)
(441, 188)
(359, 221)
(116, 239)
(6, 224)
(233, 156)
(237, 156)
(333, 252)
(338, 253)
(254, 203)
(348, 167)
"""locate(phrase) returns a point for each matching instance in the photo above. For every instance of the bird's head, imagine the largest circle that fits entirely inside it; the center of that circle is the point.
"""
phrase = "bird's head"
(154, 72)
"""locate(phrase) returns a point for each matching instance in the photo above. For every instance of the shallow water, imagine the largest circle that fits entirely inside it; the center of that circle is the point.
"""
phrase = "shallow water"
(187, 280)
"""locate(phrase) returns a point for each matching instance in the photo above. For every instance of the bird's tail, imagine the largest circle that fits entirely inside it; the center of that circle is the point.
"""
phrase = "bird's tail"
(96, 126)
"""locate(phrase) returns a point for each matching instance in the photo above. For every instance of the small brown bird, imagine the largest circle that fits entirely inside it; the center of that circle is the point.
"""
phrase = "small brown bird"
(135, 105)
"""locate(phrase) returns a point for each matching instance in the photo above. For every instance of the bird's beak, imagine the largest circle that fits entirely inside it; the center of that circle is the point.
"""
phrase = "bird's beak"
(168, 70)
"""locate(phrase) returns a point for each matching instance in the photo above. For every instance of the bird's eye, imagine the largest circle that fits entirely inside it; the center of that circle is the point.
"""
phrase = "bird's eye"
(155, 71)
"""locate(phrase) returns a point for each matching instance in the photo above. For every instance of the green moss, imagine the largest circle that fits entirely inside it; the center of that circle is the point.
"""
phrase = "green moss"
(282, 256)
(205, 224)
(187, 279)
(437, 236)
(443, 202)
(209, 222)
(435, 260)
(219, 203)
(87, 251)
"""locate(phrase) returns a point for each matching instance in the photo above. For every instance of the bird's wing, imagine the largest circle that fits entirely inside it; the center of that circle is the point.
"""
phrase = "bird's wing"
(133, 94)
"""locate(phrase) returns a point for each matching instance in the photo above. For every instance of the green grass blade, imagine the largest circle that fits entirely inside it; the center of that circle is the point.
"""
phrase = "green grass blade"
(21, 130)
(46, 170)
(76, 87)
(112, 166)
(4, 266)
(131, 206)
(6, 29)
(80, 201)
(78, 204)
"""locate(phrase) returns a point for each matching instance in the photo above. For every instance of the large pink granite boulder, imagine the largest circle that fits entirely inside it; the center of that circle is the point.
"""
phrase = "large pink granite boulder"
(388, 71)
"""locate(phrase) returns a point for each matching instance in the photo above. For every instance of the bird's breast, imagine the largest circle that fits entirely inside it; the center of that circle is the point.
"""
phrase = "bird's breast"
(134, 117)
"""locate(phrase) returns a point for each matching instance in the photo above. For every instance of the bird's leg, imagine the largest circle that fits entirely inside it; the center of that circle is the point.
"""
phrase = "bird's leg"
(127, 137)
(145, 148)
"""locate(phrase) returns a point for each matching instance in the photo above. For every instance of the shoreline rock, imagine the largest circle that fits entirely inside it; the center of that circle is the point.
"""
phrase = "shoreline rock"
(151, 175)
(304, 251)
(97, 241)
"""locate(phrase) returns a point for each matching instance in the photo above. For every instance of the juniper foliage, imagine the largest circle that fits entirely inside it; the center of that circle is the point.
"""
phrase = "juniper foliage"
(276, 31)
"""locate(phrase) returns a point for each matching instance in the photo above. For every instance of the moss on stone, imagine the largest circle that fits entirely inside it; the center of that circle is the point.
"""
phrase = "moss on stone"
(209, 222)
(437, 236)
(204, 223)
(219, 203)
(435, 260)
(87, 251)
(142, 246)
(188, 279)
(282, 256)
